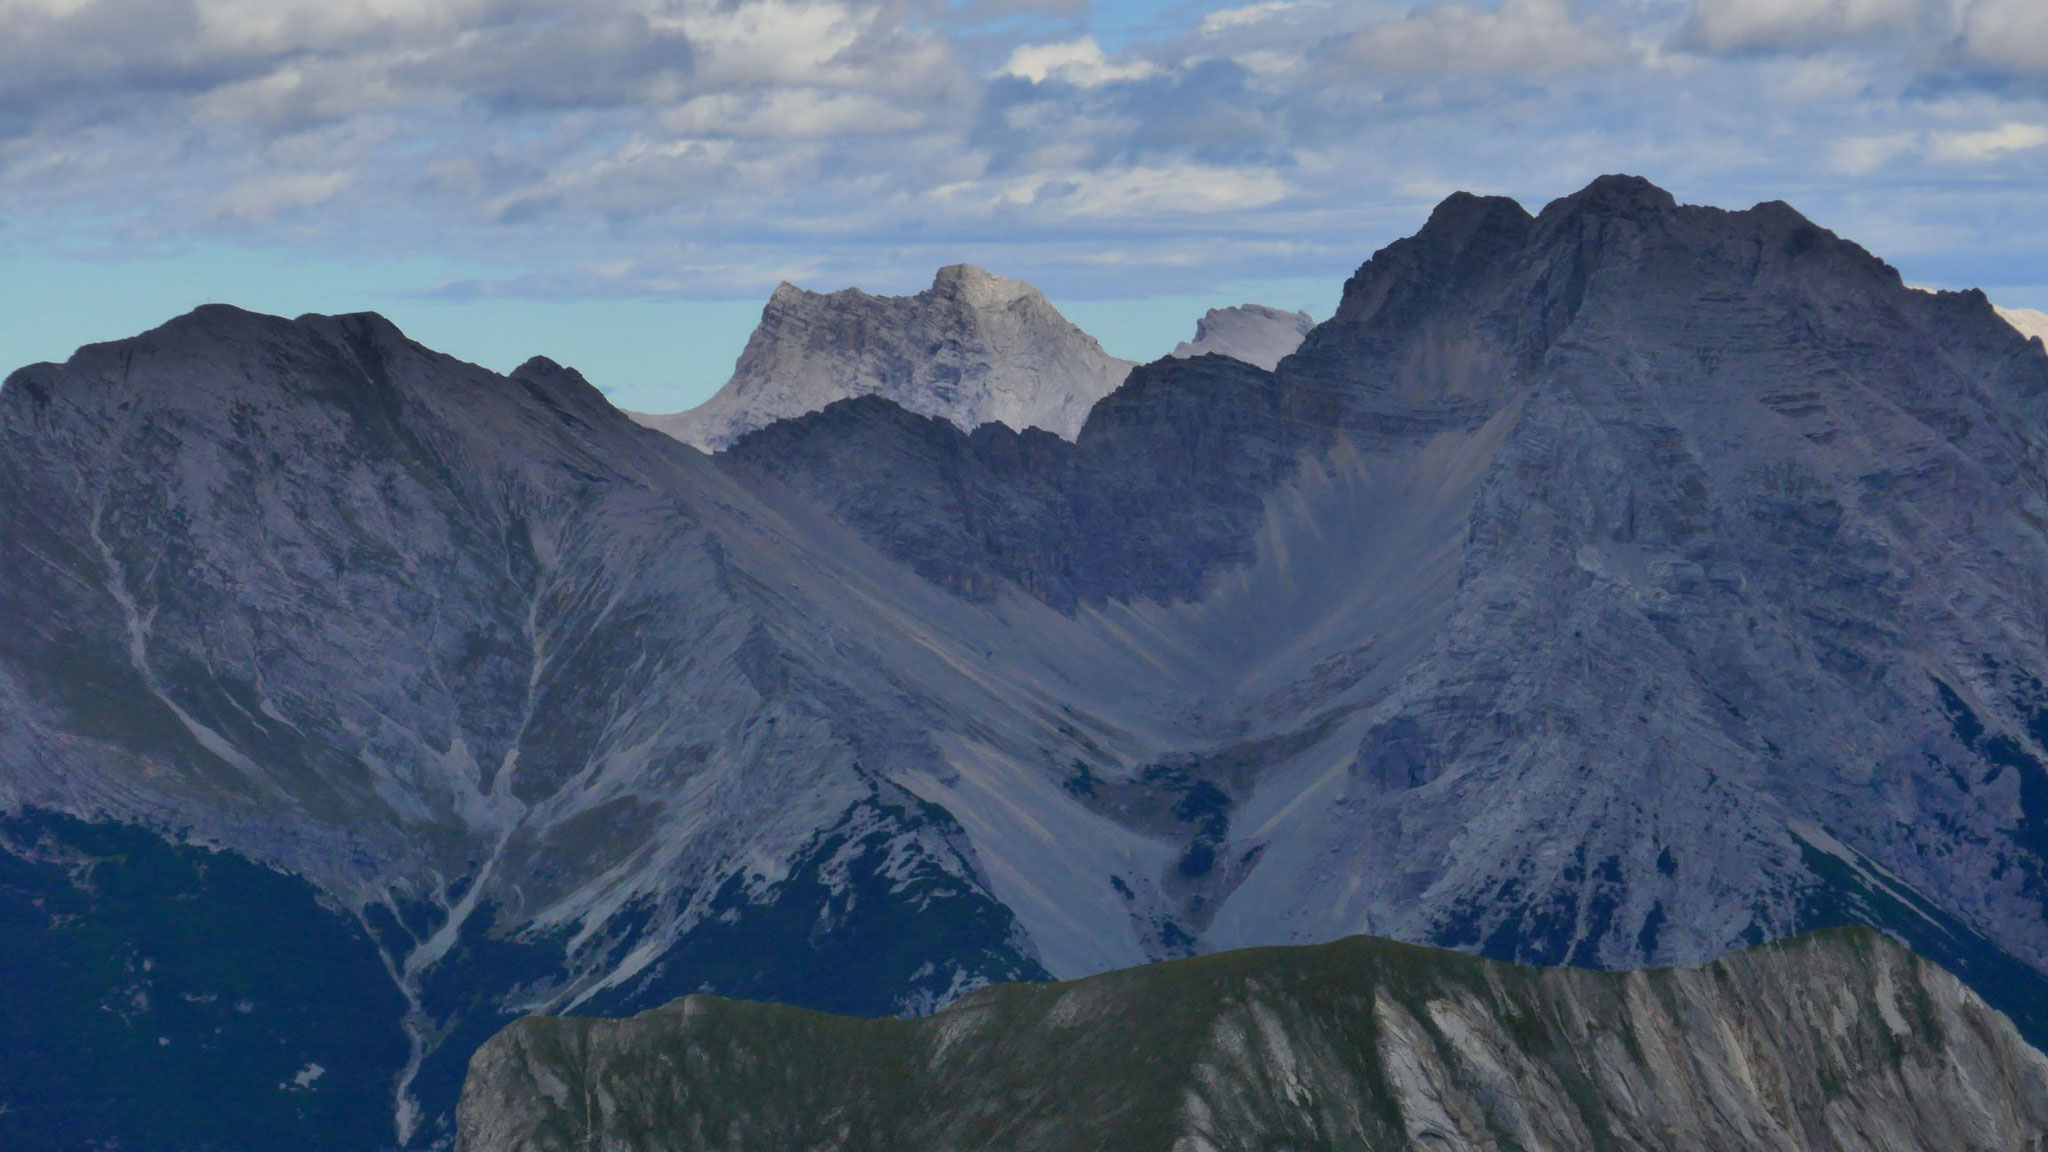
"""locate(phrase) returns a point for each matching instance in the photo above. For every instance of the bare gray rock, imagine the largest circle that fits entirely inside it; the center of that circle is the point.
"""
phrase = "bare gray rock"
(2030, 323)
(972, 349)
(1252, 333)
(1840, 1042)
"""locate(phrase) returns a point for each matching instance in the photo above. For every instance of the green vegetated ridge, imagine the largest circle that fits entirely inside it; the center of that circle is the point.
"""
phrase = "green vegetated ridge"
(1840, 1039)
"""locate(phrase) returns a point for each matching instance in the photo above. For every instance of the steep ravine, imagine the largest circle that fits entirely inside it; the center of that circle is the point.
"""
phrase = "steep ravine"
(1839, 1041)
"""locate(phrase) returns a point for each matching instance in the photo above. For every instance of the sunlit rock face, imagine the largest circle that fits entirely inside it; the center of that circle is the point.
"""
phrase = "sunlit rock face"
(1252, 333)
(2029, 322)
(1839, 1042)
(1620, 584)
(972, 349)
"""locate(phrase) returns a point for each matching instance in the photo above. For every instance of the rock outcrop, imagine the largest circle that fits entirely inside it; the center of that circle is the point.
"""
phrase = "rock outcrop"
(972, 349)
(2030, 323)
(1837, 1042)
(1252, 333)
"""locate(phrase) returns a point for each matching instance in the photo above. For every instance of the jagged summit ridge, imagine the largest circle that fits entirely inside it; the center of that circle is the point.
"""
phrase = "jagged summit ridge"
(1253, 333)
(972, 349)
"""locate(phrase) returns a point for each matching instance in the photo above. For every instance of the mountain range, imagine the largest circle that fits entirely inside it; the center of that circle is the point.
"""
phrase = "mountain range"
(1617, 585)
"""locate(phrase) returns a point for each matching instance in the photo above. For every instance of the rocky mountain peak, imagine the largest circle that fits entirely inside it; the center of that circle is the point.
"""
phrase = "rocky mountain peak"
(1485, 278)
(1616, 195)
(1463, 214)
(542, 368)
(562, 389)
(1414, 284)
(2027, 322)
(205, 348)
(979, 288)
(211, 317)
(206, 326)
(1253, 333)
(539, 370)
(973, 349)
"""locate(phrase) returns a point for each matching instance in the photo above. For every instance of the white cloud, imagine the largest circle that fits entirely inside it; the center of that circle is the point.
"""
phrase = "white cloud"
(1231, 19)
(1155, 190)
(272, 26)
(1978, 147)
(26, 8)
(772, 41)
(2007, 34)
(1800, 25)
(1450, 38)
(793, 113)
(1916, 36)
(614, 146)
(1081, 63)
(302, 91)
(1122, 192)
(1862, 155)
(275, 57)
(264, 198)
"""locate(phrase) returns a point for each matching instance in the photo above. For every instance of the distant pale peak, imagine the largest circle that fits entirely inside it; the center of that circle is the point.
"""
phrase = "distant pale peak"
(974, 348)
(2030, 323)
(980, 288)
(1253, 333)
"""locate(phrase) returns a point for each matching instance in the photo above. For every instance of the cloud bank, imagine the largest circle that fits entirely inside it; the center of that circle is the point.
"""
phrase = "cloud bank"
(712, 147)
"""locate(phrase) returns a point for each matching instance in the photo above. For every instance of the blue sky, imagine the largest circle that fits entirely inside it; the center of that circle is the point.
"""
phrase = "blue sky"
(619, 184)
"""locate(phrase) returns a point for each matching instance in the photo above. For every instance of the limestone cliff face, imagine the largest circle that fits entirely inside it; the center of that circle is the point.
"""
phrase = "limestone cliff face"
(972, 349)
(1836, 1042)
(1252, 333)
(2030, 323)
